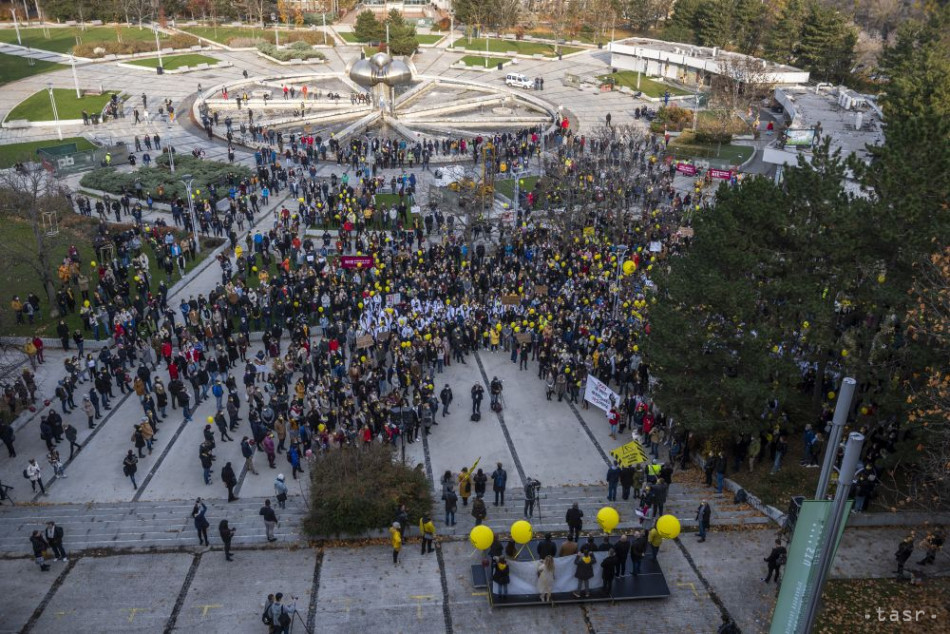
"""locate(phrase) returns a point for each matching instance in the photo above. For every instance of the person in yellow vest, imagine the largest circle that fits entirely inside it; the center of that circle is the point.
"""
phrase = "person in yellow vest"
(30, 351)
(655, 541)
(395, 538)
(427, 528)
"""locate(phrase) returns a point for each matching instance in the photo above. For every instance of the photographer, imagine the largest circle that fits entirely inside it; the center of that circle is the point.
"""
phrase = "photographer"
(531, 488)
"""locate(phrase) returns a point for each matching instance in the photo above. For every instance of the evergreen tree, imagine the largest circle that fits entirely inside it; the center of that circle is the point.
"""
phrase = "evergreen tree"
(781, 43)
(402, 35)
(368, 28)
(715, 22)
(751, 21)
(683, 24)
(827, 44)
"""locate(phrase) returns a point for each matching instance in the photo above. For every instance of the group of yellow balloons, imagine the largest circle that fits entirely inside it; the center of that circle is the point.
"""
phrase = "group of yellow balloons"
(482, 537)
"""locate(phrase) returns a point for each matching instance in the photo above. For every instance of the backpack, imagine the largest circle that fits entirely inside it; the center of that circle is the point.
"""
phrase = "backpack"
(266, 618)
(741, 497)
(26, 475)
(781, 560)
(476, 417)
(284, 619)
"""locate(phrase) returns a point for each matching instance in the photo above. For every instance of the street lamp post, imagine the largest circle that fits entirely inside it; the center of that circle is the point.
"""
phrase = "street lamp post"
(72, 60)
(158, 47)
(829, 533)
(842, 408)
(171, 157)
(621, 251)
(16, 25)
(187, 180)
(52, 100)
(324, 28)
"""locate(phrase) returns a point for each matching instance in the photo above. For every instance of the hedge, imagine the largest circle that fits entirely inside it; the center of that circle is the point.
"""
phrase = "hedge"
(101, 49)
(297, 50)
(205, 172)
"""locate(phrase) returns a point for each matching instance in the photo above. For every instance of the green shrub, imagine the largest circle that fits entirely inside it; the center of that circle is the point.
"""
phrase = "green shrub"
(101, 49)
(296, 50)
(161, 183)
(707, 137)
(358, 490)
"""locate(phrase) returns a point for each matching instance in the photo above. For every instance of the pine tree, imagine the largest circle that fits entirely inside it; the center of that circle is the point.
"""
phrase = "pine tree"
(827, 44)
(781, 43)
(683, 24)
(715, 22)
(368, 28)
(751, 21)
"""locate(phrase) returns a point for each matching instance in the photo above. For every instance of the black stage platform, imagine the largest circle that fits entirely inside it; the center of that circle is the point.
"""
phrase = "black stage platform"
(649, 584)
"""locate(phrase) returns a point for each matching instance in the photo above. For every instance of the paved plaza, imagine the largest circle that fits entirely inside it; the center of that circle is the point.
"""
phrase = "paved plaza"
(135, 564)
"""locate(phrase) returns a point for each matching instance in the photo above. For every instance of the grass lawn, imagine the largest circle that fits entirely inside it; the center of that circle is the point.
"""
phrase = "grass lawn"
(10, 154)
(733, 154)
(350, 38)
(171, 62)
(649, 87)
(13, 68)
(225, 34)
(429, 38)
(63, 39)
(587, 38)
(847, 602)
(37, 107)
(477, 44)
(507, 187)
(19, 278)
(481, 60)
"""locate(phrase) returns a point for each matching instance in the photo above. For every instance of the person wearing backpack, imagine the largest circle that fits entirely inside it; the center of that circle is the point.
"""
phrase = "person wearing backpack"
(776, 559)
(280, 615)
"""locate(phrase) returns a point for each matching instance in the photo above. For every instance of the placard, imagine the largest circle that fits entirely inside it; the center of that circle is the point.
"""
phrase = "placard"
(630, 454)
(511, 300)
(366, 341)
(357, 261)
(722, 174)
(393, 299)
(541, 290)
(523, 337)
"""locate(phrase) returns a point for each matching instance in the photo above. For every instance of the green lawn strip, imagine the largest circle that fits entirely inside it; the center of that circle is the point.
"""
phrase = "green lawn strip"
(63, 39)
(480, 60)
(10, 154)
(735, 154)
(225, 34)
(349, 37)
(477, 44)
(428, 38)
(587, 38)
(14, 67)
(649, 87)
(506, 187)
(37, 107)
(19, 278)
(171, 62)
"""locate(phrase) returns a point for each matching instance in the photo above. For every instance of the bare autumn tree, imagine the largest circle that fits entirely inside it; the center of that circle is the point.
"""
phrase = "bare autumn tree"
(929, 417)
(26, 195)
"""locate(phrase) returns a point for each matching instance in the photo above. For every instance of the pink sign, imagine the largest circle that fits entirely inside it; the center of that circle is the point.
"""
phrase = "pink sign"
(723, 174)
(686, 168)
(356, 261)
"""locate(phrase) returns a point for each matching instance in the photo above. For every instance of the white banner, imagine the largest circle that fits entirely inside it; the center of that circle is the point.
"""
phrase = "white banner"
(523, 578)
(598, 394)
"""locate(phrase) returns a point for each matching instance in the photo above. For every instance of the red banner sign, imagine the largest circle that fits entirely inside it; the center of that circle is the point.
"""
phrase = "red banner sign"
(723, 174)
(686, 168)
(357, 261)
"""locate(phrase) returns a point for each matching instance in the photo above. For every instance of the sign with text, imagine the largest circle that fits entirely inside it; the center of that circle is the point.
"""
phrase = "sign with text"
(687, 169)
(630, 454)
(393, 299)
(523, 337)
(541, 290)
(366, 341)
(510, 300)
(800, 575)
(721, 174)
(598, 394)
(357, 261)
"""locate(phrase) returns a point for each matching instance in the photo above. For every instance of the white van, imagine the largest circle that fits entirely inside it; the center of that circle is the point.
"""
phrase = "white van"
(517, 80)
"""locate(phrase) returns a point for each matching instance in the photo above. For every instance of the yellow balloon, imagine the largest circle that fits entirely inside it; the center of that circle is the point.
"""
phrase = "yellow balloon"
(668, 527)
(93, 263)
(629, 267)
(322, 427)
(481, 537)
(521, 532)
(211, 419)
(86, 303)
(608, 518)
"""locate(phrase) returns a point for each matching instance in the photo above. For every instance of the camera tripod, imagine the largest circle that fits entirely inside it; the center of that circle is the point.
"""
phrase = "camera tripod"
(5, 495)
(295, 616)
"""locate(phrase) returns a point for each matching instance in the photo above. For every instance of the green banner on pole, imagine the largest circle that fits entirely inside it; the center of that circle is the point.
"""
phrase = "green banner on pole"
(800, 575)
